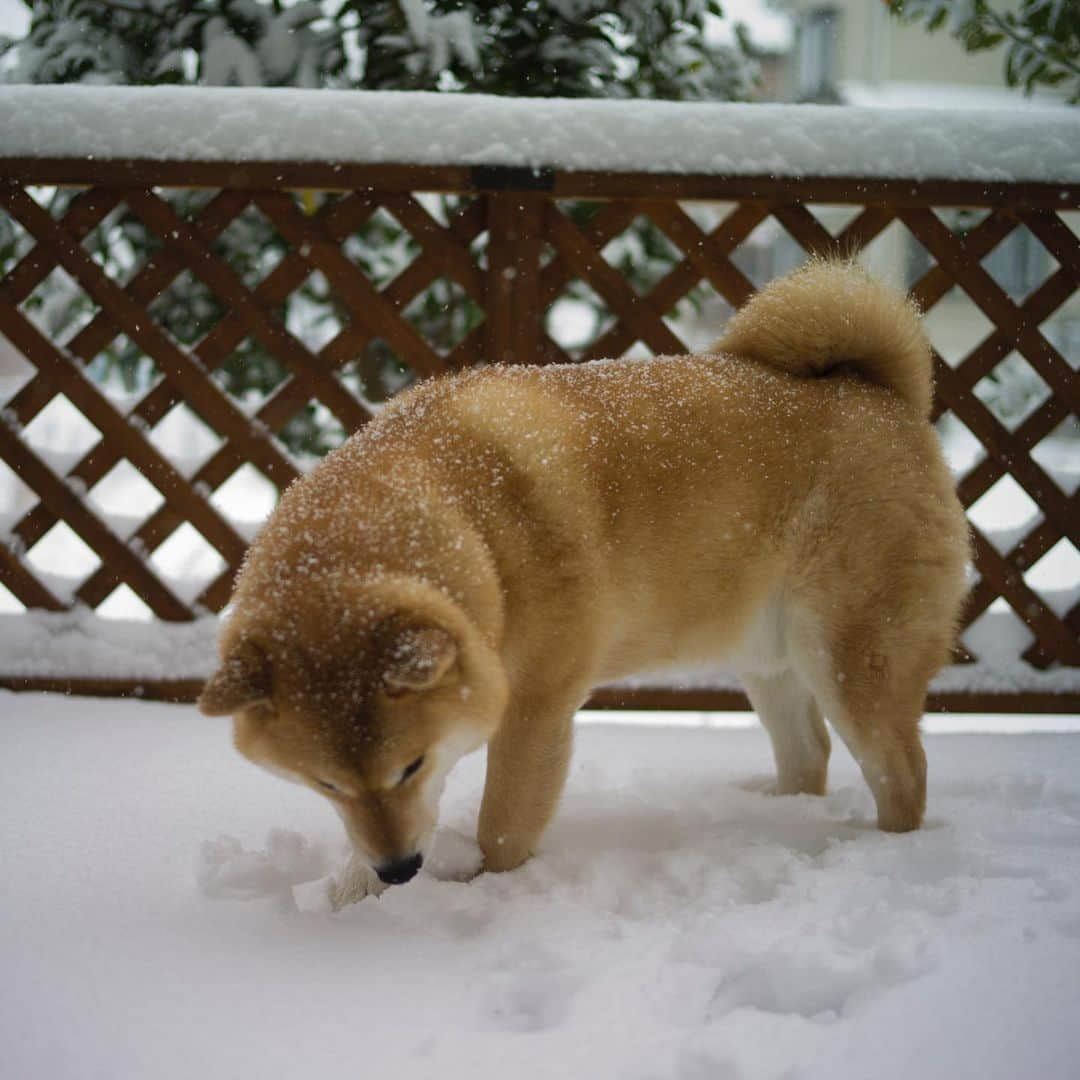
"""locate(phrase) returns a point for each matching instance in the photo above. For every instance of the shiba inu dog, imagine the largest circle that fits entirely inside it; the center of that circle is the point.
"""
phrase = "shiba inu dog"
(495, 544)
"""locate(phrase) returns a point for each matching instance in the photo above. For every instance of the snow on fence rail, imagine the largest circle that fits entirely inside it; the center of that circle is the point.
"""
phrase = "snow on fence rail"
(376, 128)
(544, 194)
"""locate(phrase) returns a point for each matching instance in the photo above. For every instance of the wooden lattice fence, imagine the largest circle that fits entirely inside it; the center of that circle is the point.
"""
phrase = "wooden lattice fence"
(511, 246)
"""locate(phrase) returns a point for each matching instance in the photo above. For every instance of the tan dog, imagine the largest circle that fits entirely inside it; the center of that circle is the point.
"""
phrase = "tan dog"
(497, 543)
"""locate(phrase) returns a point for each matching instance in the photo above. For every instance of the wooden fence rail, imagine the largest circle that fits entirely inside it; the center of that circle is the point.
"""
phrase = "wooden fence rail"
(511, 246)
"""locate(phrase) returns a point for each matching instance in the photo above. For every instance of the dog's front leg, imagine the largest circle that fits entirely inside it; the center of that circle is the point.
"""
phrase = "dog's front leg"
(526, 769)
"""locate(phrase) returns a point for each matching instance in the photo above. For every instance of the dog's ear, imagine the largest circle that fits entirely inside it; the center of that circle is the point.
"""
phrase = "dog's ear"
(244, 678)
(416, 658)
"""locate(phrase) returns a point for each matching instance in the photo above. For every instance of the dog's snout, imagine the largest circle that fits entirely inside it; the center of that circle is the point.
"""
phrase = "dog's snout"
(397, 873)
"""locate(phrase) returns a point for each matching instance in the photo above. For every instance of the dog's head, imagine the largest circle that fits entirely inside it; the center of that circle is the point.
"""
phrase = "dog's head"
(371, 713)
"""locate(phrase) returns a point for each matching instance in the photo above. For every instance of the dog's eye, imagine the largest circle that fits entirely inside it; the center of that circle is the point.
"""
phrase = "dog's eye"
(411, 769)
(330, 787)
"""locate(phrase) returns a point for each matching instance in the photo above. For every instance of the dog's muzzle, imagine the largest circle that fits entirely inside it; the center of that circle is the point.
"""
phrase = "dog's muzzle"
(397, 873)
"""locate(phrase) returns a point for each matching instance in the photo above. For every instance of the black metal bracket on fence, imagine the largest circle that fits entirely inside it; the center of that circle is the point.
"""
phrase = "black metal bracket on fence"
(513, 178)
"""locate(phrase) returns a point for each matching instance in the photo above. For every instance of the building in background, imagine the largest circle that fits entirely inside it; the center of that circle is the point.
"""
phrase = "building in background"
(856, 53)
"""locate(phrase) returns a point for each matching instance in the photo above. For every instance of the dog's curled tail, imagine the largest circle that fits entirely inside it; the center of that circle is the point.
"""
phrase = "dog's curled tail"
(831, 314)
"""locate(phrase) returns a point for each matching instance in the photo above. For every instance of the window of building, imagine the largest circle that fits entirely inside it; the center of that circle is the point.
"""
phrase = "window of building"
(818, 39)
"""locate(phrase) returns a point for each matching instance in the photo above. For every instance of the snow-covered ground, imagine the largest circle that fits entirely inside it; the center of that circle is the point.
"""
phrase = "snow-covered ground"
(679, 922)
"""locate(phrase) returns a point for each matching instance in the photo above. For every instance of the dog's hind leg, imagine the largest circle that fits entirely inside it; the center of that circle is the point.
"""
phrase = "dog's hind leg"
(800, 742)
(886, 744)
(874, 700)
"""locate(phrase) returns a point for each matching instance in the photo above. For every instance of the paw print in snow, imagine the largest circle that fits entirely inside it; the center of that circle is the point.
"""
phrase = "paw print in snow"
(532, 1001)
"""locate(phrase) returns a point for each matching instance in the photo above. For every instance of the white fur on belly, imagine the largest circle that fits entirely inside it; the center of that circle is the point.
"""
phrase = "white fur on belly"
(764, 648)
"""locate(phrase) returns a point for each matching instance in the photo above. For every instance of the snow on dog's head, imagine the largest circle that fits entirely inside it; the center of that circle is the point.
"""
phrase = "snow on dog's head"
(367, 693)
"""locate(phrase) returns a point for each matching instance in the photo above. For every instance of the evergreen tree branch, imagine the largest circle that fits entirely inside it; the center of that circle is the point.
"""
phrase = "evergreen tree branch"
(1031, 41)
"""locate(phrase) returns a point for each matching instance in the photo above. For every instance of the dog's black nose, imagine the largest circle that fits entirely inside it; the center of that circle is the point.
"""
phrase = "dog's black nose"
(397, 873)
